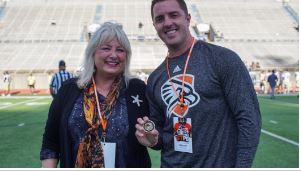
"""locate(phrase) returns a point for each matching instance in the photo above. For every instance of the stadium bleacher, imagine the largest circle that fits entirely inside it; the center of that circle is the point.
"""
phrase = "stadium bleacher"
(36, 34)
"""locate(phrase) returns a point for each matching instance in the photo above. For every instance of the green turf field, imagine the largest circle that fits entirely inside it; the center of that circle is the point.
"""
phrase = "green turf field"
(22, 122)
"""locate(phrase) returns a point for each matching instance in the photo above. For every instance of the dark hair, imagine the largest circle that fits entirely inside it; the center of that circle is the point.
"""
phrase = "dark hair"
(181, 3)
(62, 63)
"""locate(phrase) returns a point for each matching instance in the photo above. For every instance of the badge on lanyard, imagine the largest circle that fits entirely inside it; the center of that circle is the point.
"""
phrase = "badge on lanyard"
(182, 134)
(109, 151)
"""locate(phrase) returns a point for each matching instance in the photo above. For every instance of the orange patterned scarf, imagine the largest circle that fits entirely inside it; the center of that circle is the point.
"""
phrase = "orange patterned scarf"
(90, 152)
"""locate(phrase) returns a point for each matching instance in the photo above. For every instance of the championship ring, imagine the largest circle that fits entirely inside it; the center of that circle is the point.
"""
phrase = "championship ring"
(149, 126)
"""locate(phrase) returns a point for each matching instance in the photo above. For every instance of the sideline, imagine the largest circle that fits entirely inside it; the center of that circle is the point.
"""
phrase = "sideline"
(23, 97)
(16, 104)
(280, 137)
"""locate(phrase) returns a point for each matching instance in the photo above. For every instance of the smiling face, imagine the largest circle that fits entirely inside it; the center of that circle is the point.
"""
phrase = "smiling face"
(110, 59)
(171, 23)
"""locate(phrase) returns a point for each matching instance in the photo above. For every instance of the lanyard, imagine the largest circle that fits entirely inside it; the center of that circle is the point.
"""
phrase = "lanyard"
(181, 96)
(103, 120)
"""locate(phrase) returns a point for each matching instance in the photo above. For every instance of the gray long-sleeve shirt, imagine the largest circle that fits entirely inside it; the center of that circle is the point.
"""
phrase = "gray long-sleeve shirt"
(223, 107)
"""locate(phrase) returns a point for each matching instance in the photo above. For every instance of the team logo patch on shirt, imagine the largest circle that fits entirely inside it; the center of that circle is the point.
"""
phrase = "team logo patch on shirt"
(171, 99)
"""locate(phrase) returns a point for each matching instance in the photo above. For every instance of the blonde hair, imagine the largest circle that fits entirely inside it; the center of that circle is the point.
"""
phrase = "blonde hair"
(106, 32)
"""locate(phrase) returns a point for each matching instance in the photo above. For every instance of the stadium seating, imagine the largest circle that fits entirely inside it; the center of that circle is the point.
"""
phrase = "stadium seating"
(36, 34)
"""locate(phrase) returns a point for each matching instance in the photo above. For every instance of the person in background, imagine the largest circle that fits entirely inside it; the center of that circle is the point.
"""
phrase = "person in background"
(272, 80)
(58, 78)
(210, 87)
(280, 87)
(7, 83)
(31, 81)
(287, 81)
(98, 110)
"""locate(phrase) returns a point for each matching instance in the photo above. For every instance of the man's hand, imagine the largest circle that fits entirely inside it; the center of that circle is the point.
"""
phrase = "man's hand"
(148, 139)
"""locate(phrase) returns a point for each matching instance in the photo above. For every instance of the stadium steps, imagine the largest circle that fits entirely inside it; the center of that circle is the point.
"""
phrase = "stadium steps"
(2, 11)
(291, 12)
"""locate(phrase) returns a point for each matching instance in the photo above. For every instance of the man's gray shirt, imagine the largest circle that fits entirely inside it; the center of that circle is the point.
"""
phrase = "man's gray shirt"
(223, 107)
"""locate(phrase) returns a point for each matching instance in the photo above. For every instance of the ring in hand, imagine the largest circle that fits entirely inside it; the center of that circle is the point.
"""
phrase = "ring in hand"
(149, 126)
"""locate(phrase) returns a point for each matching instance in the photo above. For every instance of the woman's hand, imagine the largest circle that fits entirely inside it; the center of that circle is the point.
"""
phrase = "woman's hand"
(148, 139)
(49, 163)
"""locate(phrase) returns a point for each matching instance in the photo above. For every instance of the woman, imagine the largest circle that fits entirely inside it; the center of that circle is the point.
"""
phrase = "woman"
(101, 106)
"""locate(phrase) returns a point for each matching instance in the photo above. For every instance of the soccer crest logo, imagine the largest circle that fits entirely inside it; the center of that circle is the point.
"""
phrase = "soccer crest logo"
(172, 88)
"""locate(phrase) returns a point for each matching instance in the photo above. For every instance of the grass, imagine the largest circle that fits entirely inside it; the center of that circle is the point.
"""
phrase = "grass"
(21, 144)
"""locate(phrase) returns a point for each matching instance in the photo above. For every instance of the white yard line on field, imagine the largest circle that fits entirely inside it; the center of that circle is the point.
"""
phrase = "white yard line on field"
(273, 122)
(280, 137)
(16, 104)
(23, 97)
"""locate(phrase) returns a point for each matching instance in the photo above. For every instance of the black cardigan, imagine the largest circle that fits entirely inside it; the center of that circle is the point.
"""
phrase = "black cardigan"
(57, 138)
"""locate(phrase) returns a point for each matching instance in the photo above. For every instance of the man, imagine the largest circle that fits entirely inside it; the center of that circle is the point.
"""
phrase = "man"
(31, 81)
(7, 83)
(207, 85)
(58, 78)
(272, 79)
(287, 81)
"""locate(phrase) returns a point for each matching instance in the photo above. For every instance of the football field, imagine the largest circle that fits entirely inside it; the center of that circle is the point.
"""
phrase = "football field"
(22, 122)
